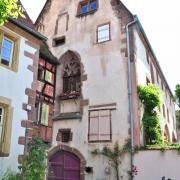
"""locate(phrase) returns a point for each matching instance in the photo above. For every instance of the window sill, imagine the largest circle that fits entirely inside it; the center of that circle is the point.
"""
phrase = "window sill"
(99, 141)
(103, 42)
(87, 13)
(7, 67)
(69, 96)
(67, 116)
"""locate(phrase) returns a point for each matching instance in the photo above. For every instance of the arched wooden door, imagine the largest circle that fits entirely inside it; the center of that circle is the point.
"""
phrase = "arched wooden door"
(64, 166)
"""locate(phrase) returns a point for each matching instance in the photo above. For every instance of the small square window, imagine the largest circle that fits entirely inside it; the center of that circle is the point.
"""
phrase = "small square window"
(64, 135)
(103, 33)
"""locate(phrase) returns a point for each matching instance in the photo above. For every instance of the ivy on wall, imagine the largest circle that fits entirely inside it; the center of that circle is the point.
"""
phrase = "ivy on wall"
(150, 97)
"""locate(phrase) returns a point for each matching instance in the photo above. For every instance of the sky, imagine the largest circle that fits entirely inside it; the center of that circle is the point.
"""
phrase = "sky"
(160, 20)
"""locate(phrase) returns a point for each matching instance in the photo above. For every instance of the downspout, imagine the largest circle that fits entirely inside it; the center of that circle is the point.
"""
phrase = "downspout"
(131, 120)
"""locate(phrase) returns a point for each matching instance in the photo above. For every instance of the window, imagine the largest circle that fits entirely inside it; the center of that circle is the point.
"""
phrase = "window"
(100, 126)
(64, 135)
(147, 57)
(152, 73)
(103, 33)
(43, 113)
(59, 41)
(87, 6)
(71, 78)
(168, 115)
(157, 76)
(147, 80)
(40, 73)
(93, 5)
(8, 51)
(84, 8)
(49, 76)
(6, 112)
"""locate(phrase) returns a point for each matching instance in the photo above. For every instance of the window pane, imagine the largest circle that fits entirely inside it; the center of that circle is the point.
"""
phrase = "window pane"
(48, 76)
(44, 114)
(93, 5)
(103, 33)
(6, 51)
(84, 8)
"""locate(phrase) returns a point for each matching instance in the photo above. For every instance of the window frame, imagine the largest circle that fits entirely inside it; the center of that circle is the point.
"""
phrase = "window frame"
(89, 10)
(12, 50)
(13, 65)
(2, 122)
(110, 120)
(97, 40)
(5, 142)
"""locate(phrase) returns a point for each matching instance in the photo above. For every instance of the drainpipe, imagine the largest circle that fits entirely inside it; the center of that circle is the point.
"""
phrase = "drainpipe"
(130, 92)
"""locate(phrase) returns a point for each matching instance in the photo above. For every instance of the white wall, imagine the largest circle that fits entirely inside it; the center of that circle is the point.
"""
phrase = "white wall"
(12, 86)
(154, 164)
(143, 71)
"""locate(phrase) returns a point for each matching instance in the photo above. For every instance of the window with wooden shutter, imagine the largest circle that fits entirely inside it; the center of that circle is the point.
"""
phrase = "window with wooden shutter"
(100, 125)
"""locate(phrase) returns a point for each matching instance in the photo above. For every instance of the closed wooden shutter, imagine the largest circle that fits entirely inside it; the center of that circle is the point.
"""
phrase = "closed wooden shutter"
(104, 125)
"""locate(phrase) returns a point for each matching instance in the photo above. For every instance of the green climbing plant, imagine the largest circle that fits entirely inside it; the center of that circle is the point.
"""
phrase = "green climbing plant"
(34, 163)
(150, 97)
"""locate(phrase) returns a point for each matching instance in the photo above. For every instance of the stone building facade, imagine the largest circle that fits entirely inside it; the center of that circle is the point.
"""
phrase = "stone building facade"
(103, 54)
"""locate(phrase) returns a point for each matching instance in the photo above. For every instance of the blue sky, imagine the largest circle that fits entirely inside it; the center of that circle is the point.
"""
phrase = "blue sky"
(160, 19)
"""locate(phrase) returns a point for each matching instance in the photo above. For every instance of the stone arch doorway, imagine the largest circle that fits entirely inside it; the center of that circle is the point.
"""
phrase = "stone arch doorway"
(65, 163)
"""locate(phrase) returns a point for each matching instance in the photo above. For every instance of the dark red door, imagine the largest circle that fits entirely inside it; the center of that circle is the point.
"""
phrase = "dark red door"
(64, 166)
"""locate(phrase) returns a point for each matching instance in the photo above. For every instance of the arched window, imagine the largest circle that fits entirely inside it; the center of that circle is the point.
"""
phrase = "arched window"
(71, 77)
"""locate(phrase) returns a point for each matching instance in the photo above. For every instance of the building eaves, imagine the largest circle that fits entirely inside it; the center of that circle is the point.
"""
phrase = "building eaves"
(140, 28)
(45, 53)
(27, 28)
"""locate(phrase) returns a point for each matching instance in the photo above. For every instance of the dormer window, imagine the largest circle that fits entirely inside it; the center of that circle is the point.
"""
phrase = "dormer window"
(87, 6)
